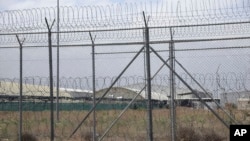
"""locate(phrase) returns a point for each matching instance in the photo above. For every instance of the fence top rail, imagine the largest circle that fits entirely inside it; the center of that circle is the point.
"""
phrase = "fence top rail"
(125, 29)
(137, 43)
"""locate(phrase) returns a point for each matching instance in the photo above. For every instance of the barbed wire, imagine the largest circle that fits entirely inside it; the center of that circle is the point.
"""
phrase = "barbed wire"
(124, 22)
(162, 13)
(128, 36)
(189, 19)
(230, 81)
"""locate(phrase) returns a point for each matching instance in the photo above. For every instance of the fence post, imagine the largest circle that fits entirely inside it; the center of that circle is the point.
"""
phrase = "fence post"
(51, 81)
(20, 89)
(172, 87)
(148, 77)
(93, 89)
(58, 65)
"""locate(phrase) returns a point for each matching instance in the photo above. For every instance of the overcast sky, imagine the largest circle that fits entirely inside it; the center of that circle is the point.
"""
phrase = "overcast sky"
(26, 4)
(76, 62)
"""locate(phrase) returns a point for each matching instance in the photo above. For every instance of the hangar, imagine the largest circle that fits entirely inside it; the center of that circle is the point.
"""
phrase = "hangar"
(9, 91)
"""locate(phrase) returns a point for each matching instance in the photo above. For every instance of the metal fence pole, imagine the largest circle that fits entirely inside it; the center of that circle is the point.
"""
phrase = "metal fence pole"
(93, 89)
(51, 81)
(148, 73)
(20, 90)
(172, 88)
(57, 68)
(21, 94)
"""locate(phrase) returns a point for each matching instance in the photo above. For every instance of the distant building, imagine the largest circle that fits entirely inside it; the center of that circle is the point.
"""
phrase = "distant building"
(160, 94)
(233, 97)
(243, 104)
(10, 91)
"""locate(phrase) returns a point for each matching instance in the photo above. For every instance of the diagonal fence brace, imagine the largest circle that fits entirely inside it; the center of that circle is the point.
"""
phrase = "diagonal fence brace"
(131, 102)
(217, 104)
(93, 108)
(191, 89)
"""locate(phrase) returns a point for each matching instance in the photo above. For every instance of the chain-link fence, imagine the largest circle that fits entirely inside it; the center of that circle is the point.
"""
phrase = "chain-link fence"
(158, 75)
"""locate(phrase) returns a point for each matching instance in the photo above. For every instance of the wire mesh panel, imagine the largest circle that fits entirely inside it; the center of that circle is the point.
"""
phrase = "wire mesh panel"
(127, 72)
(213, 69)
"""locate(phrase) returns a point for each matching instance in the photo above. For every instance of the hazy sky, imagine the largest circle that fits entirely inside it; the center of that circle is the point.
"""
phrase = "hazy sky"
(183, 4)
(24, 4)
(76, 62)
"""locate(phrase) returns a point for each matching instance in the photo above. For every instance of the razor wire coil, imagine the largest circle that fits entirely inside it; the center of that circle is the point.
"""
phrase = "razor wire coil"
(114, 22)
(228, 81)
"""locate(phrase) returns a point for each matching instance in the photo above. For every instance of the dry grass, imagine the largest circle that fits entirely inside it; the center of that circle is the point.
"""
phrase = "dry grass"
(28, 137)
(192, 124)
(191, 134)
